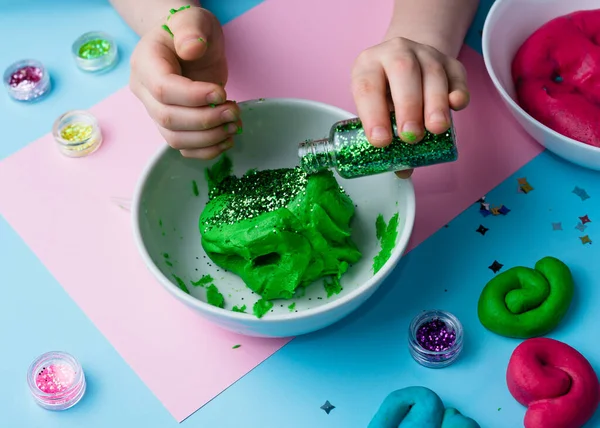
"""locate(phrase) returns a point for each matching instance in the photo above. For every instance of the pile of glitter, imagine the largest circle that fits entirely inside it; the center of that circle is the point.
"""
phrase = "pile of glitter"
(55, 378)
(436, 336)
(94, 49)
(256, 193)
(76, 132)
(25, 78)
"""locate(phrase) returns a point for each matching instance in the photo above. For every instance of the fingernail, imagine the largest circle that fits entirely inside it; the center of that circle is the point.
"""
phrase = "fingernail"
(410, 130)
(226, 145)
(231, 128)
(213, 98)
(228, 116)
(438, 117)
(379, 133)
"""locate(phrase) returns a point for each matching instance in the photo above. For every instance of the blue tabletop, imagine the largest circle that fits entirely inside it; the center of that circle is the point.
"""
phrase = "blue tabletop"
(353, 364)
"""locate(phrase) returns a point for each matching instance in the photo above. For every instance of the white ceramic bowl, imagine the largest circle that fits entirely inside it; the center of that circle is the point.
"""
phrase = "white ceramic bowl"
(508, 24)
(165, 218)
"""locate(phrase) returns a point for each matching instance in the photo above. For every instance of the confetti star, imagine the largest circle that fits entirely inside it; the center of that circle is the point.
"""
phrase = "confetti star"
(585, 219)
(481, 200)
(495, 211)
(526, 188)
(328, 407)
(522, 181)
(485, 206)
(484, 213)
(585, 240)
(580, 227)
(581, 193)
(504, 210)
(495, 267)
(482, 229)
(557, 226)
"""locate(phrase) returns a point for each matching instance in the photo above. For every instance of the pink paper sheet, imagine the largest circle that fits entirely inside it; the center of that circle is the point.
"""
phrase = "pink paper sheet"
(283, 48)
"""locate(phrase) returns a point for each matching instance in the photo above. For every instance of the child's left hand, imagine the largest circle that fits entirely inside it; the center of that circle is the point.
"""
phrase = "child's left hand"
(417, 81)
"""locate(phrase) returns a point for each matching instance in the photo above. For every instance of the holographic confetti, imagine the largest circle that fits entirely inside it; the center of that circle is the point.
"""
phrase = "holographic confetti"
(435, 336)
(482, 229)
(585, 219)
(585, 240)
(524, 186)
(327, 407)
(581, 193)
(495, 267)
(504, 210)
(557, 226)
(76, 132)
(580, 227)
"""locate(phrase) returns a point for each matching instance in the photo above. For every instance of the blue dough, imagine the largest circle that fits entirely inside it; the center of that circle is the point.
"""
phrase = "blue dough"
(418, 407)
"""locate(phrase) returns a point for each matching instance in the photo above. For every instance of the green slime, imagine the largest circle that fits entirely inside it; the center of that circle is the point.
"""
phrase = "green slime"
(386, 234)
(279, 251)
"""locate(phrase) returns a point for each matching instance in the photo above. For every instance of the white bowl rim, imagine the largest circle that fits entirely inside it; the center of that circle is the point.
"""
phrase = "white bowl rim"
(485, 43)
(308, 313)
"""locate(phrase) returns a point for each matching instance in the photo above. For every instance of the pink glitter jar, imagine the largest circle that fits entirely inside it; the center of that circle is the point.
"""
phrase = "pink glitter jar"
(56, 380)
(26, 80)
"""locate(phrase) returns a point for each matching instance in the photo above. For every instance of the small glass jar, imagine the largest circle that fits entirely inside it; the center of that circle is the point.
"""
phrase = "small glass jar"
(56, 380)
(95, 52)
(435, 338)
(27, 80)
(348, 150)
(77, 133)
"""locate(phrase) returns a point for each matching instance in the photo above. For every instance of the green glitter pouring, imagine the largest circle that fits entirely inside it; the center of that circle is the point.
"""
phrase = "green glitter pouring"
(94, 49)
(279, 230)
(348, 150)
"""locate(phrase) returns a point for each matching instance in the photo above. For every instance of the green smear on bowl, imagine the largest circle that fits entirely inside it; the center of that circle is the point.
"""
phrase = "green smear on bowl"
(213, 297)
(181, 284)
(205, 280)
(261, 307)
(386, 234)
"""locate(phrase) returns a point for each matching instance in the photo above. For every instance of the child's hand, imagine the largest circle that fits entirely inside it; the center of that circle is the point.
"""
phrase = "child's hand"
(180, 80)
(419, 82)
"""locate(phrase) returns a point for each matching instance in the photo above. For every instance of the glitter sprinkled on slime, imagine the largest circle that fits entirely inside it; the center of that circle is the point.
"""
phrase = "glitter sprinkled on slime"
(26, 80)
(95, 51)
(435, 338)
(348, 150)
(278, 230)
(56, 381)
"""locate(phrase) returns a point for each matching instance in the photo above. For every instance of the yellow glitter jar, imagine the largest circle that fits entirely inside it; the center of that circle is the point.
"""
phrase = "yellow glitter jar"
(77, 133)
(95, 51)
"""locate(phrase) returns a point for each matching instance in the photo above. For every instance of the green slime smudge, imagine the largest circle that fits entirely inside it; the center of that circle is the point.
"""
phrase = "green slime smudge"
(261, 307)
(218, 172)
(205, 280)
(386, 234)
(213, 297)
(181, 284)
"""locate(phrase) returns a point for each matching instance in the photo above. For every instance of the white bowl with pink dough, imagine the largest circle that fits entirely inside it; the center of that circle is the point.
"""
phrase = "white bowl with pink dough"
(508, 24)
(165, 215)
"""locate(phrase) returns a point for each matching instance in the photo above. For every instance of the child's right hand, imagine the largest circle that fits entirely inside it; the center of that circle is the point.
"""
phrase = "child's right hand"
(180, 80)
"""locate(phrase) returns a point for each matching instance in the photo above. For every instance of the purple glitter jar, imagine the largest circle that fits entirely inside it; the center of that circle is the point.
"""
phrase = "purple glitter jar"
(435, 338)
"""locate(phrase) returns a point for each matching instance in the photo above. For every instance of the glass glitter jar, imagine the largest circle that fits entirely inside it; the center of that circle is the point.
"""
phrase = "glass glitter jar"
(95, 52)
(350, 153)
(27, 80)
(77, 133)
(56, 380)
(430, 342)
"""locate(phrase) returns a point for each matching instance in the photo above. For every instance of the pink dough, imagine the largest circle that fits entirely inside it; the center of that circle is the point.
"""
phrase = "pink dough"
(556, 73)
(556, 383)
